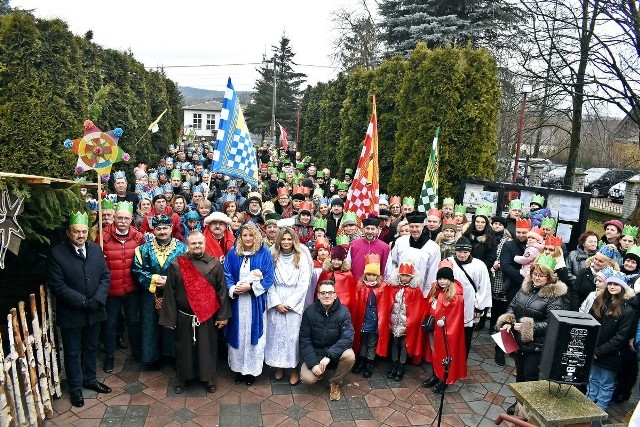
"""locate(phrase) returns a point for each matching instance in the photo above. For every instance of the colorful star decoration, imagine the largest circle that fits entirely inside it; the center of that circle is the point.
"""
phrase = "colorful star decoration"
(97, 150)
(9, 226)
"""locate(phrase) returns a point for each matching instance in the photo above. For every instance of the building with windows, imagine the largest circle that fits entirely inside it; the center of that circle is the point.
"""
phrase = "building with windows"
(202, 119)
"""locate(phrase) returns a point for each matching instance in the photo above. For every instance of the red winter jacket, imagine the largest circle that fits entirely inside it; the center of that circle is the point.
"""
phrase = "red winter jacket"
(119, 252)
(177, 232)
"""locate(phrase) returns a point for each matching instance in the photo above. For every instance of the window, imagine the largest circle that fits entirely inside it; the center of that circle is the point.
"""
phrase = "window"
(197, 120)
(211, 122)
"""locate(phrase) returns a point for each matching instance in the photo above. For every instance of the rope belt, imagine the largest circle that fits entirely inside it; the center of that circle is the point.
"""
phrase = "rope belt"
(194, 323)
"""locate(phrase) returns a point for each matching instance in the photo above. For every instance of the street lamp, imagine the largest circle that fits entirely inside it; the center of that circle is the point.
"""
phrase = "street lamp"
(526, 88)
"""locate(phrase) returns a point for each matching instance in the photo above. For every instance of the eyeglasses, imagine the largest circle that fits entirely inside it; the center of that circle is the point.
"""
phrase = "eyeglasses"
(326, 293)
(538, 275)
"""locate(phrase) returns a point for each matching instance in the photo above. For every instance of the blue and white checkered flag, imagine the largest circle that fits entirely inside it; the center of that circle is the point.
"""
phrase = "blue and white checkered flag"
(234, 154)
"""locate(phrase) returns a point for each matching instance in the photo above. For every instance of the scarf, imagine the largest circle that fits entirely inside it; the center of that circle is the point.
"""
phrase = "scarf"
(203, 300)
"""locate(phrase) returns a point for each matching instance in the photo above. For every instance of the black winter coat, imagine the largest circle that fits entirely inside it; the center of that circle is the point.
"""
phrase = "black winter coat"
(584, 284)
(325, 333)
(532, 307)
(614, 334)
(74, 279)
(510, 268)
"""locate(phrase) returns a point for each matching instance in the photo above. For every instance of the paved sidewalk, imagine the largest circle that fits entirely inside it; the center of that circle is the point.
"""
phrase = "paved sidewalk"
(146, 398)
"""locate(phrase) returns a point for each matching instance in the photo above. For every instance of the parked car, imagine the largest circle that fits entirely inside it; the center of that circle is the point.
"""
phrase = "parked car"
(616, 192)
(555, 177)
(599, 186)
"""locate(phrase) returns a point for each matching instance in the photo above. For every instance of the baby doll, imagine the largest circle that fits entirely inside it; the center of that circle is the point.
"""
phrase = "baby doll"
(535, 245)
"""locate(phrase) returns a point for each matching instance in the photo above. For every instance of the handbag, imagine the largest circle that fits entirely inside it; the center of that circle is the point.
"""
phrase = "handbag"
(429, 323)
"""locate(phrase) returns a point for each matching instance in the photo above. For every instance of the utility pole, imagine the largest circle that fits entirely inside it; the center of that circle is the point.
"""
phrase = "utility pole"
(273, 104)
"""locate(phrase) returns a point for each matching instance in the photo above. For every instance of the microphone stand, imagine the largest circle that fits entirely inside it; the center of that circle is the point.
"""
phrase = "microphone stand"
(446, 362)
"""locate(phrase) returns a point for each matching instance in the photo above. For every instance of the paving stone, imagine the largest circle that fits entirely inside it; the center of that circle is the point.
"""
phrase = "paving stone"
(361, 414)
(356, 403)
(501, 377)
(471, 420)
(338, 404)
(378, 384)
(252, 421)
(116, 411)
(296, 412)
(137, 411)
(134, 421)
(249, 410)
(480, 407)
(111, 422)
(471, 396)
(134, 388)
(300, 389)
(341, 415)
(279, 389)
(183, 415)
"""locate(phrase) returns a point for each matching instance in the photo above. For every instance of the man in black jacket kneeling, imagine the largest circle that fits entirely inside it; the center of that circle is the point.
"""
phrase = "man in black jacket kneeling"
(326, 338)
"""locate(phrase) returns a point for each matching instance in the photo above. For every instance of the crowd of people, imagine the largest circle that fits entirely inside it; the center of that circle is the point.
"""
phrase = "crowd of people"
(286, 278)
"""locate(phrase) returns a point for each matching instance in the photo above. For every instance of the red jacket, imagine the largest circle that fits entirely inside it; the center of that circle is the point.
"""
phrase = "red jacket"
(118, 253)
(177, 232)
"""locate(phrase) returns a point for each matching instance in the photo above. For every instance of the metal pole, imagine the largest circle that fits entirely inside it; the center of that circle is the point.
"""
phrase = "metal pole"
(514, 177)
(273, 104)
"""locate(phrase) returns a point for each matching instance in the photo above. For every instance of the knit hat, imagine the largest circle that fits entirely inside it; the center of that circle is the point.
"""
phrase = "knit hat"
(338, 252)
(618, 278)
(372, 264)
(502, 220)
(633, 252)
(605, 273)
(536, 233)
(445, 270)
(463, 244)
(337, 201)
(616, 223)
(158, 197)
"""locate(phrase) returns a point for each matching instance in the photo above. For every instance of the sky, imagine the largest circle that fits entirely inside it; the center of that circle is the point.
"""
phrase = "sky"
(199, 32)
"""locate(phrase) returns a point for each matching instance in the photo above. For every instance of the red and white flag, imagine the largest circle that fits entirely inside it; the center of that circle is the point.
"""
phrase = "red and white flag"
(364, 193)
(283, 137)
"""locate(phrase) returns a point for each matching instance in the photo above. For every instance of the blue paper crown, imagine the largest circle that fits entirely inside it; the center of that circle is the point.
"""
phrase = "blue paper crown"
(232, 183)
(119, 174)
(197, 189)
(145, 196)
(608, 251)
(162, 170)
(155, 191)
(168, 160)
(139, 187)
(186, 185)
(153, 175)
(92, 204)
(167, 188)
(384, 197)
(323, 201)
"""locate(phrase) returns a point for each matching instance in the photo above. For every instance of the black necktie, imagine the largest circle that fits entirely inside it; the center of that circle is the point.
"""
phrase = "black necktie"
(81, 252)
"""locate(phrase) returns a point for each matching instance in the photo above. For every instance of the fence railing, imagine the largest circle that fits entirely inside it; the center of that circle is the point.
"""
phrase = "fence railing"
(605, 204)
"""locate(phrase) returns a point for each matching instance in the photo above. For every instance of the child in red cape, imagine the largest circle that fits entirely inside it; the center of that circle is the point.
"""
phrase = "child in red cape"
(445, 302)
(338, 271)
(370, 319)
(407, 313)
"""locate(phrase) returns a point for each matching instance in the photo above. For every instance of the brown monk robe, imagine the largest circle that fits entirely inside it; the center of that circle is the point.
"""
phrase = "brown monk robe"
(196, 305)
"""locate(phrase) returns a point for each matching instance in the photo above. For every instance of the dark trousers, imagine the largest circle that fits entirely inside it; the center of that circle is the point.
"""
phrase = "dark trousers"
(498, 308)
(626, 376)
(468, 335)
(399, 349)
(80, 352)
(131, 305)
(527, 365)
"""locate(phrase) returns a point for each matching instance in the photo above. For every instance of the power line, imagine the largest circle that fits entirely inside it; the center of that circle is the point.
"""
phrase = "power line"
(233, 65)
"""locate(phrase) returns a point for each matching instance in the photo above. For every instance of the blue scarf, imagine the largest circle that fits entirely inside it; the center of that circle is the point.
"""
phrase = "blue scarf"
(262, 261)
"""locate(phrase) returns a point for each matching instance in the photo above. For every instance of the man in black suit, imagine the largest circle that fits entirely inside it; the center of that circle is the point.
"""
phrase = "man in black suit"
(79, 279)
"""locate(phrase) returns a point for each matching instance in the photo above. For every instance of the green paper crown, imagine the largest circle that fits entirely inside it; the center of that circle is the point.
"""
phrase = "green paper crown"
(318, 191)
(282, 175)
(107, 204)
(546, 260)
(460, 209)
(629, 230)
(409, 201)
(300, 166)
(515, 204)
(319, 174)
(124, 206)
(551, 222)
(307, 159)
(320, 223)
(448, 201)
(273, 170)
(537, 198)
(334, 181)
(175, 173)
(343, 186)
(348, 172)
(349, 216)
(296, 180)
(79, 218)
(342, 240)
(484, 210)
(633, 249)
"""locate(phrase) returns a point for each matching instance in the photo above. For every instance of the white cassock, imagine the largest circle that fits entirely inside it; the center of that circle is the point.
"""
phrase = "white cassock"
(424, 259)
(474, 297)
(289, 287)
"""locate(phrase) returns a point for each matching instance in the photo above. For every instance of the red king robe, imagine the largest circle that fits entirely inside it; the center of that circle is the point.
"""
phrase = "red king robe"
(383, 305)
(345, 283)
(454, 314)
(415, 307)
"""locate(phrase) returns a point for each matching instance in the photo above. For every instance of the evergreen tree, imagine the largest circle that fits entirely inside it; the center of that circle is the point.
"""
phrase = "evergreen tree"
(486, 23)
(331, 123)
(288, 93)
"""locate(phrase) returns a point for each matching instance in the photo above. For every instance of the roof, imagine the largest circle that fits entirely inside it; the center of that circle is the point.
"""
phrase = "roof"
(45, 180)
(204, 106)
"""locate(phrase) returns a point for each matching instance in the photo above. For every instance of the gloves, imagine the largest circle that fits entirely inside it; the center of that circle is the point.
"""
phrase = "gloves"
(90, 305)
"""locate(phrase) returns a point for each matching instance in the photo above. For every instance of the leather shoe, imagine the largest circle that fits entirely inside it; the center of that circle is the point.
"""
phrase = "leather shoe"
(76, 398)
(108, 365)
(239, 378)
(122, 343)
(430, 382)
(99, 387)
(440, 387)
(211, 387)
(511, 410)
(249, 379)
(179, 387)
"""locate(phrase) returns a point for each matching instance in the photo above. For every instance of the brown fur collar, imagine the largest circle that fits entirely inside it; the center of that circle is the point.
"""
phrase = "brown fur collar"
(552, 290)
(326, 266)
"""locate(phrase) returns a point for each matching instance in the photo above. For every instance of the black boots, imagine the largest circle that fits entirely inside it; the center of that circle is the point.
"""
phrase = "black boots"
(399, 372)
(359, 365)
(499, 357)
(394, 369)
(108, 365)
(440, 387)
(368, 369)
(430, 382)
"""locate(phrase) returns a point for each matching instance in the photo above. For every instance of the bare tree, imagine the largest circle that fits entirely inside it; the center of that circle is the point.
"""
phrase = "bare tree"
(356, 45)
